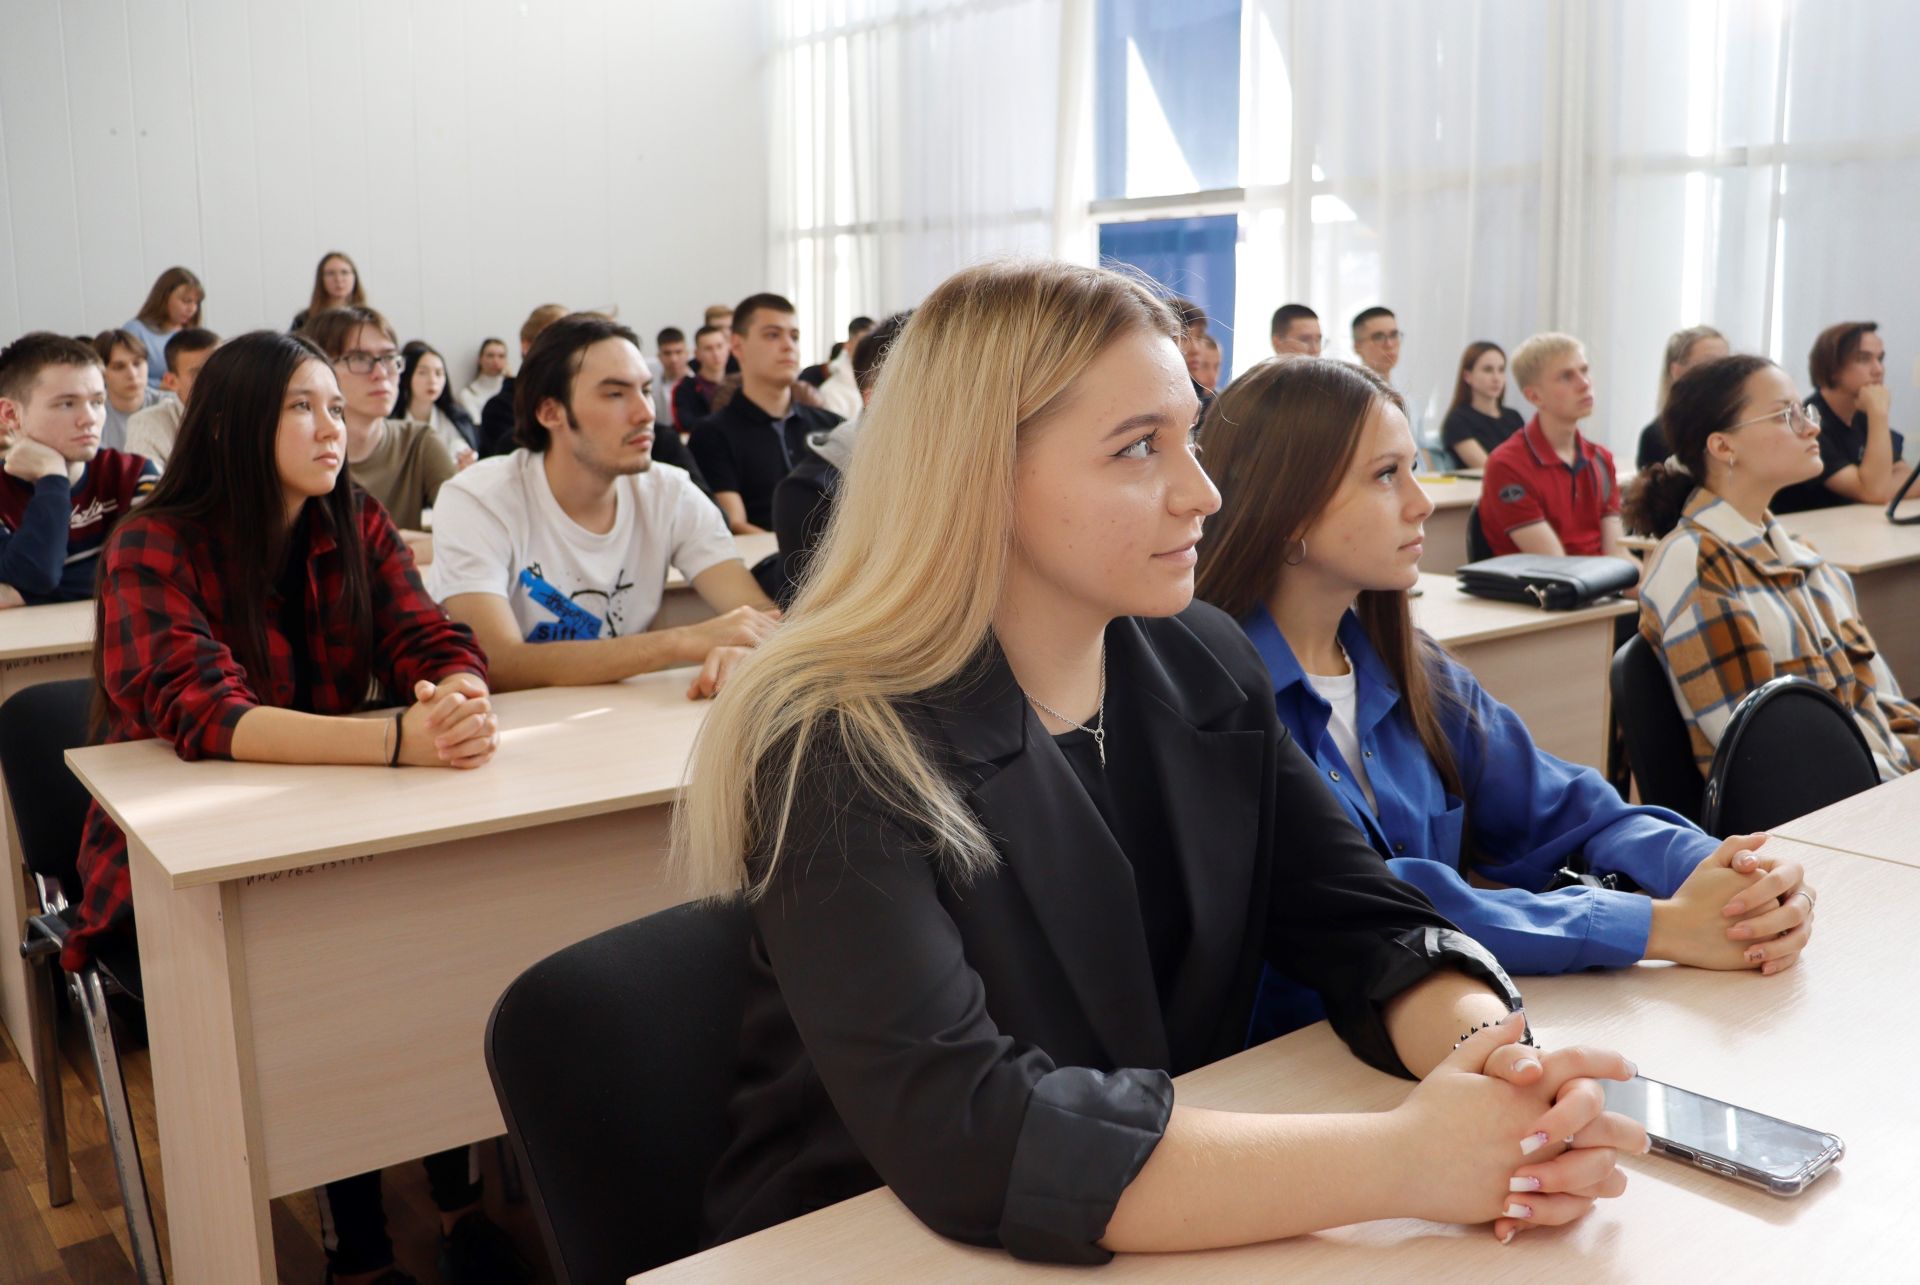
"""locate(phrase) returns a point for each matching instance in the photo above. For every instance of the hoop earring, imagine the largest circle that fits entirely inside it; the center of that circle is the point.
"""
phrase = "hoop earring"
(1290, 560)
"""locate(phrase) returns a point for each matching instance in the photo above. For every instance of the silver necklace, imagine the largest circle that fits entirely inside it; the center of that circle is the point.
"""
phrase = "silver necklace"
(1099, 729)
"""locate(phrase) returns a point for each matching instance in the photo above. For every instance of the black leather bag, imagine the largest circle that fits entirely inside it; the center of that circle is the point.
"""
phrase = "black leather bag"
(1555, 584)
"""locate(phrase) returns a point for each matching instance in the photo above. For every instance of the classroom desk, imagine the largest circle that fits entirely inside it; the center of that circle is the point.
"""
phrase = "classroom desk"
(1785, 1045)
(1884, 561)
(37, 645)
(1882, 823)
(680, 605)
(321, 946)
(1446, 550)
(1550, 666)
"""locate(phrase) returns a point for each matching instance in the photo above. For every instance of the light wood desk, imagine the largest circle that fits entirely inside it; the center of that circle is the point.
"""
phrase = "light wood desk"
(1774, 1044)
(37, 645)
(1549, 666)
(1884, 561)
(1882, 823)
(321, 946)
(680, 605)
(1446, 550)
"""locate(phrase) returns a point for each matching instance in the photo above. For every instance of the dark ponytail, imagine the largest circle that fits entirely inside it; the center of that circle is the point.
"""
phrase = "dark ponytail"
(1704, 401)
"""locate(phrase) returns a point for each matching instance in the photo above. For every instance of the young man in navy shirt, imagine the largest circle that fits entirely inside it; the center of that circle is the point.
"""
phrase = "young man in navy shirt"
(63, 493)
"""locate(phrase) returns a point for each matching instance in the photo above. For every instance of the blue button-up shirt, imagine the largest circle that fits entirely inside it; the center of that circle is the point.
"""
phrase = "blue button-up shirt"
(1525, 815)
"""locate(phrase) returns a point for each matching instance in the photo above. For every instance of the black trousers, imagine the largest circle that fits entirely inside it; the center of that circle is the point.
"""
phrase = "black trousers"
(353, 1217)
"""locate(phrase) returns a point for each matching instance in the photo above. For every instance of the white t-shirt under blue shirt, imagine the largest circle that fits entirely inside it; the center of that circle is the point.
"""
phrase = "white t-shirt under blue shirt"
(497, 529)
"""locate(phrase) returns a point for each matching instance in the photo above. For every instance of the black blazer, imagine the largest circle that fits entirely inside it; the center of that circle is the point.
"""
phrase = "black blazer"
(998, 1053)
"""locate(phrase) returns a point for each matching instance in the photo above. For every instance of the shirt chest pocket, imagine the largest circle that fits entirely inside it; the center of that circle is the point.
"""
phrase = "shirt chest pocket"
(1446, 832)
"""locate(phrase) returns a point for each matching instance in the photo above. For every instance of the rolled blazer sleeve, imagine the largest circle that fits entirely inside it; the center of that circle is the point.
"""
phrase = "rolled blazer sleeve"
(1341, 923)
(982, 1136)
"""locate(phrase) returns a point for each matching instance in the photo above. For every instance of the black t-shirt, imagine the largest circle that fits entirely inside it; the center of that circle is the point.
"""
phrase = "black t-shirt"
(291, 589)
(1127, 795)
(1843, 444)
(740, 448)
(1653, 446)
(1465, 424)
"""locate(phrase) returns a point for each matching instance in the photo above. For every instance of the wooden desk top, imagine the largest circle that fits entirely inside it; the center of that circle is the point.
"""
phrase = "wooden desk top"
(752, 549)
(1858, 537)
(565, 752)
(1784, 1045)
(1882, 823)
(1455, 617)
(63, 629)
(1449, 492)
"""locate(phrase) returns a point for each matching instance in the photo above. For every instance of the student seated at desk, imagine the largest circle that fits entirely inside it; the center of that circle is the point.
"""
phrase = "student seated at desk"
(1859, 448)
(1316, 543)
(1548, 489)
(1685, 349)
(1730, 599)
(557, 555)
(152, 432)
(1016, 843)
(1479, 418)
(243, 613)
(63, 491)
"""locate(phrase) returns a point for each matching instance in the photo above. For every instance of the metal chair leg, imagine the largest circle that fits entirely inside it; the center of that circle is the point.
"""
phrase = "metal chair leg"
(120, 1134)
(46, 1073)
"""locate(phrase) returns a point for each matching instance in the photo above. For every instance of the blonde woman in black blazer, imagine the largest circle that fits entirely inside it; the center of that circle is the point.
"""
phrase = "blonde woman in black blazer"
(1023, 829)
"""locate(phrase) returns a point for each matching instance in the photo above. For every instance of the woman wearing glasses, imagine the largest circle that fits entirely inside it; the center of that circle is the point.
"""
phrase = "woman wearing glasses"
(1729, 598)
(399, 463)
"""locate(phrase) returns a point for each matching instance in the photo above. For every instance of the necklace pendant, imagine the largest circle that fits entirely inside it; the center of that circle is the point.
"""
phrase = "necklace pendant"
(1100, 743)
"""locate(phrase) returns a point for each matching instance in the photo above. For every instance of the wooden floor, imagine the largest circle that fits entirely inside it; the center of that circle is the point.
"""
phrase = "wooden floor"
(86, 1241)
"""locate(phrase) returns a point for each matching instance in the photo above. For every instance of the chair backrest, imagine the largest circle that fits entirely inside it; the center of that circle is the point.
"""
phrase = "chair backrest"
(38, 725)
(1659, 748)
(613, 1061)
(1478, 550)
(1789, 749)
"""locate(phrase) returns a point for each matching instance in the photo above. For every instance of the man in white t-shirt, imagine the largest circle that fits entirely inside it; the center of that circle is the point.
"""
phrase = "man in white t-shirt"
(556, 555)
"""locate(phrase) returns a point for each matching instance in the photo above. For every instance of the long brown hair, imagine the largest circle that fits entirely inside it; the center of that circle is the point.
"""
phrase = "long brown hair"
(321, 300)
(1462, 393)
(153, 313)
(1278, 442)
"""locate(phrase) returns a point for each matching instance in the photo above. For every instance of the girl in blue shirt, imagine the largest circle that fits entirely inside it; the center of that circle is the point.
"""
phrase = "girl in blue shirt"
(1315, 546)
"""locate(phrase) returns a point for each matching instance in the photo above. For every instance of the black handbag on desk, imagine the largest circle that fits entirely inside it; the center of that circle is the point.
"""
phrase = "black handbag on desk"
(1893, 506)
(1555, 584)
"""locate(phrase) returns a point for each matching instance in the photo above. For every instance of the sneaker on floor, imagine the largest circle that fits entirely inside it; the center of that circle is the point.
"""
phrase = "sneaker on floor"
(478, 1251)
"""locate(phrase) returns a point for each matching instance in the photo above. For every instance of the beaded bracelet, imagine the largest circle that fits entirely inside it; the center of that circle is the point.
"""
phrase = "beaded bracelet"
(1526, 1036)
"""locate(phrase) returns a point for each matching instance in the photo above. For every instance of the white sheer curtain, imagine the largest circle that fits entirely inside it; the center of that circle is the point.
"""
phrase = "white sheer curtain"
(910, 138)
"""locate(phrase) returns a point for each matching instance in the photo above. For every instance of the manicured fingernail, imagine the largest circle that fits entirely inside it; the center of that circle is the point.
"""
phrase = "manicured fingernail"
(1734, 908)
(1532, 1143)
(1515, 1209)
(1516, 1013)
(1526, 1064)
(1508, 1238)
(1523, 1184)
(1739, 931)
(1632, 1070)
(1647, 1146)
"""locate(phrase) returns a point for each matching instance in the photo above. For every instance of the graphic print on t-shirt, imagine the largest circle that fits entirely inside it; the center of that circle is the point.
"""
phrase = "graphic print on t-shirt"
(574, 622)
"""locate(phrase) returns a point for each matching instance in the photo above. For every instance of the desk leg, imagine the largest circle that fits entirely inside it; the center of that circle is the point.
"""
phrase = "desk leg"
(204, 1096)
(19, 997)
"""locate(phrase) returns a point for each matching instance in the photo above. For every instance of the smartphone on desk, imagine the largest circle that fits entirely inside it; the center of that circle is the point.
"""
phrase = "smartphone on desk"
(1734, 1142)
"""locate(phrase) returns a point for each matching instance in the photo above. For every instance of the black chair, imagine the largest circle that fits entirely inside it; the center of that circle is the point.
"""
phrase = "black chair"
(1659, 747)
(37, 727)
(613, 1062)
(1790, 748)
(1478, 550)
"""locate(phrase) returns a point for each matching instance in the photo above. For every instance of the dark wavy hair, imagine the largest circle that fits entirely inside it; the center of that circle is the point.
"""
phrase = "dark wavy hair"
(446, 403)
(1704, 401)
(549, 368)
(223, 482)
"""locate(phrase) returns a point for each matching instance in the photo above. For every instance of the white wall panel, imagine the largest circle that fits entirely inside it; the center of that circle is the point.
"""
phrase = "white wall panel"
(475, 157)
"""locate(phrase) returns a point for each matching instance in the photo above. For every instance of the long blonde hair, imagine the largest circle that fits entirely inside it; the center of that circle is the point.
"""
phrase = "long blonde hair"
(900, 596)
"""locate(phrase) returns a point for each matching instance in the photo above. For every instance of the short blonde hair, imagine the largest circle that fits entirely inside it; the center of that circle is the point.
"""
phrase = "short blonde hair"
(1531, 359)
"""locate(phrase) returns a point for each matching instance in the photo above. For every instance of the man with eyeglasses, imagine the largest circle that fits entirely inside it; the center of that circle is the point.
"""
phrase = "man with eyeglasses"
(1376, 342)
(400, 463)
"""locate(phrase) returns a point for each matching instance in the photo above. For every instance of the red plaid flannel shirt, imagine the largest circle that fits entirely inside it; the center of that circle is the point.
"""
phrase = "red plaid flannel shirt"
(171, 671)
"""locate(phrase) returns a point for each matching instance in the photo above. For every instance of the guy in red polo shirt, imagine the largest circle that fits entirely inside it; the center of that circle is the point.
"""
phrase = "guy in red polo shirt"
(1547, 489)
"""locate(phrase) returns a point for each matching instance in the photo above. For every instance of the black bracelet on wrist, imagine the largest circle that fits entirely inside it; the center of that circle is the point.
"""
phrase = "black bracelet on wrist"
(395, 760)
(1526, 1036)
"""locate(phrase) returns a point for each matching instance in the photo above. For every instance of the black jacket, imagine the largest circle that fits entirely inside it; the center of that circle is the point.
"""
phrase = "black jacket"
(998, 1053)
